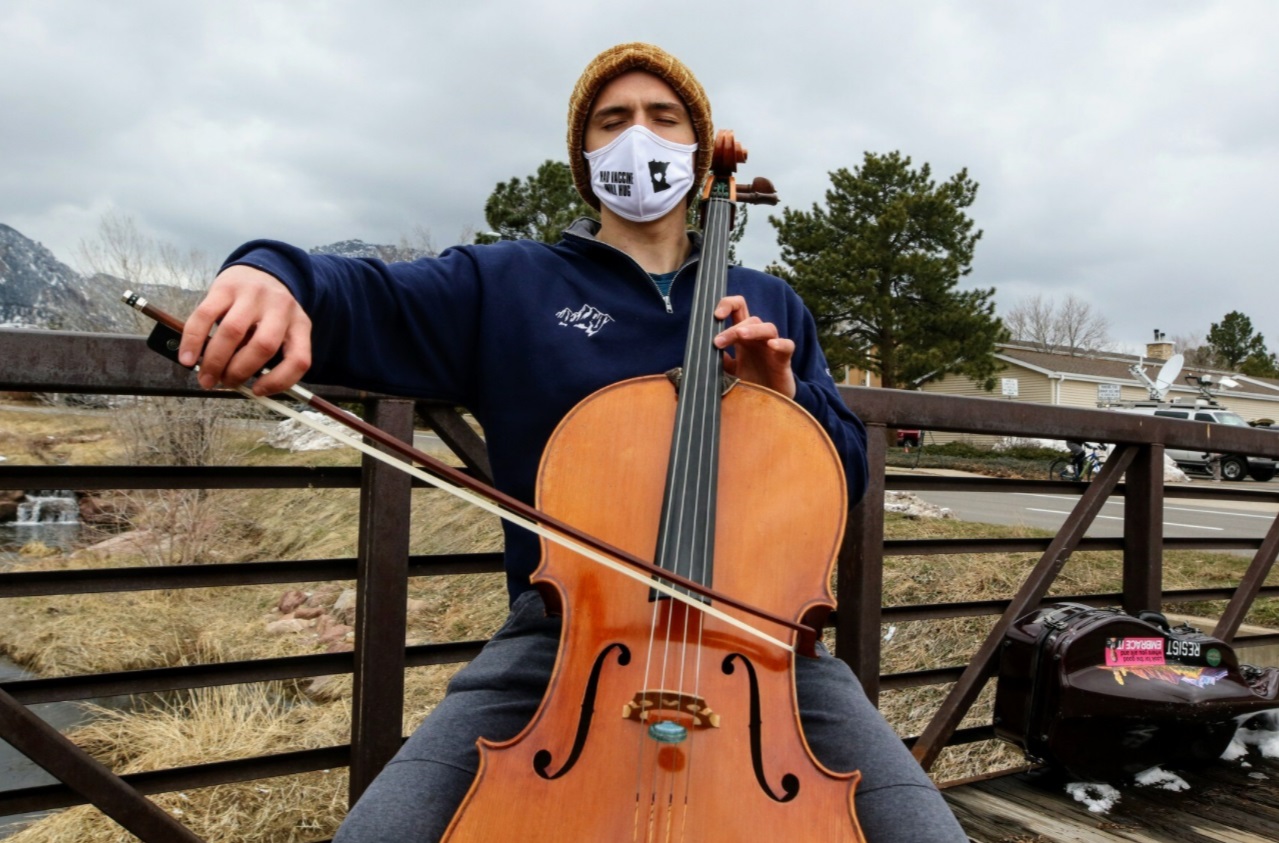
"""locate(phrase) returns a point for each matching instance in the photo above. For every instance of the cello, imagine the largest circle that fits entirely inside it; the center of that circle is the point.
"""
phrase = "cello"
(663, 722)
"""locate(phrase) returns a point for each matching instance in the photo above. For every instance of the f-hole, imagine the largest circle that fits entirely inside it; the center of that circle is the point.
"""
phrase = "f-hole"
(542, 759)
(790, 782)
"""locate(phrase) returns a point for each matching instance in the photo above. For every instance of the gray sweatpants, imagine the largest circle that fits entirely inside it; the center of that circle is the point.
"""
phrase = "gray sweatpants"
(496, 695)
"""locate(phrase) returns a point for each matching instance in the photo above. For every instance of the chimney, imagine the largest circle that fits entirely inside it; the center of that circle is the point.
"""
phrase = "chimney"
(1159, 349)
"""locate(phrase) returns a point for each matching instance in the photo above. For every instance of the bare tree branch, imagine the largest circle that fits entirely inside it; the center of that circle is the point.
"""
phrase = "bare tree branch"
(1073, 326)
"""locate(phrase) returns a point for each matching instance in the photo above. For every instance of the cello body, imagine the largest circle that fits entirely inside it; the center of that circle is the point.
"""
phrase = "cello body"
(587, 767)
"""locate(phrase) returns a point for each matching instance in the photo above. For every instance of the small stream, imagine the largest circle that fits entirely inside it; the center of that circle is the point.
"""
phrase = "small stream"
(49, 517)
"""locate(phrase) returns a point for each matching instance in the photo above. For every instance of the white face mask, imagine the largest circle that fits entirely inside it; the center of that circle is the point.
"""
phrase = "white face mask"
(641, 176)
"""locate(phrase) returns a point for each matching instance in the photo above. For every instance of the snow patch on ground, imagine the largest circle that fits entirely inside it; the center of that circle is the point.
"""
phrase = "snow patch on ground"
(293, 435)
(1099, 798)
(912, 506)
(1161, 778)
(1237, 749)
(1257, 730)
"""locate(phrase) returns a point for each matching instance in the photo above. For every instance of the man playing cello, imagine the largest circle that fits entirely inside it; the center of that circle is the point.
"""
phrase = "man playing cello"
(519, 332)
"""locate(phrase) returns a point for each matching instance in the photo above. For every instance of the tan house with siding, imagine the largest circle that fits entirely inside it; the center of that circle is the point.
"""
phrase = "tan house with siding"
(1093, 379)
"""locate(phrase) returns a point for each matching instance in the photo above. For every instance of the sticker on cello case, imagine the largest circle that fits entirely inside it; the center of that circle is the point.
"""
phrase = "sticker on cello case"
(1134, 652)
(1214, 657)
(1173, 674)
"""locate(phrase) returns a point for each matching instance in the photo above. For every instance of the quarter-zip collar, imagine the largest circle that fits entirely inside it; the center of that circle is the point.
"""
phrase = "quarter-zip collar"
(584, 229)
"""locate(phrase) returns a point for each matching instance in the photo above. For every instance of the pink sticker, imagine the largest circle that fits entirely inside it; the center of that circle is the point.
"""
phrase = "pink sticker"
(1133, 652)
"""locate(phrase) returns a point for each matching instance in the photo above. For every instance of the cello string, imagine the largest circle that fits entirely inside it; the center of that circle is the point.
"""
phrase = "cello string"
(688, 437)
(718, 213)
(693, 483)
(682, 544)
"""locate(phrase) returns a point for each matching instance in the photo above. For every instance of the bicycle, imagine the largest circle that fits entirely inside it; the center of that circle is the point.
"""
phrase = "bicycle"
(1064, 467)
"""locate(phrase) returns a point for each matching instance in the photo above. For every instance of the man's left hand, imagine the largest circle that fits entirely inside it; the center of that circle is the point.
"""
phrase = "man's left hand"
(760, 354)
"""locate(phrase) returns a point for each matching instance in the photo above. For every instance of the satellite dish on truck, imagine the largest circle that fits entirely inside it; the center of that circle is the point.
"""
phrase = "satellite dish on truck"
(1158, 388)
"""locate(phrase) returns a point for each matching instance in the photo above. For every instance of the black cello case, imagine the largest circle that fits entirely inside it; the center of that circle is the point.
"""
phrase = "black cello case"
(1105, 695)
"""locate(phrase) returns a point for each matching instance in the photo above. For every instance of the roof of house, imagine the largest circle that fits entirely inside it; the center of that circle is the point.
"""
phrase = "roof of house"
(1105, 366)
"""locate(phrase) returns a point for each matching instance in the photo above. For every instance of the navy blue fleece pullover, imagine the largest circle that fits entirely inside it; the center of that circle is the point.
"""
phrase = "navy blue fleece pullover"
(519, 332)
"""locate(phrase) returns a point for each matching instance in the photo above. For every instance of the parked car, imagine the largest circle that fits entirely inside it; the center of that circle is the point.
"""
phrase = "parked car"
(1233, 466)
(908, 437)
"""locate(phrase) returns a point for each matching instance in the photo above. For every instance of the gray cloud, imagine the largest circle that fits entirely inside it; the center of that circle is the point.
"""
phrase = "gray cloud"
(1127, 153)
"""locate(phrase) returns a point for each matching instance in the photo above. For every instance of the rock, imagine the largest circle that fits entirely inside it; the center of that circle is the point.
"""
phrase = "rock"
(8, 511)
(286, 626)
(340, 647)
(344, 606)
(102, 513)
(134, 541)
(417, 607)
(335, 633)
(323, 596)
(290, 600)
(307, 613)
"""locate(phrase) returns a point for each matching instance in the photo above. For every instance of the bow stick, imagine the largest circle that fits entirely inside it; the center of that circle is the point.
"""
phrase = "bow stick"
(455, 482)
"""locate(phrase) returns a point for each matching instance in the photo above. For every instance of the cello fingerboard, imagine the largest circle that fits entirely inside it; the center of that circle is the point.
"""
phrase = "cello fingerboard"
(686, 535)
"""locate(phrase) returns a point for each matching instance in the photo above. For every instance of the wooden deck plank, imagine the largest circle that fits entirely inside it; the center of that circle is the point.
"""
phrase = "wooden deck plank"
(1227, 803)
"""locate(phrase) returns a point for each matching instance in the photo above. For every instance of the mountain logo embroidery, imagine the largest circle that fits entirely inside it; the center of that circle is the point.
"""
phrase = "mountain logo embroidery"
(657, 172)
(586, 318)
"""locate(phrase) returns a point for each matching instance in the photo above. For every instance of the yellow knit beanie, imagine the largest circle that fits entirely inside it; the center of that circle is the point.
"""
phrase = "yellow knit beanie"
(606, 67)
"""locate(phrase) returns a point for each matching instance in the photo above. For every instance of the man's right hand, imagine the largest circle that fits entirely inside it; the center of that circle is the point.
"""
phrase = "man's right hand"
(256, 316)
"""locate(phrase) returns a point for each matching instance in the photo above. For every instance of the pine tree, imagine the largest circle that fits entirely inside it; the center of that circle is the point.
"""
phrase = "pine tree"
(538, 208)
(879, 267)
(1235, 345)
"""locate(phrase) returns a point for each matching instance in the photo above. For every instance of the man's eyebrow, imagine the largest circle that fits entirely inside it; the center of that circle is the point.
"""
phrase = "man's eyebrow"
(623, 110)
(611, 111)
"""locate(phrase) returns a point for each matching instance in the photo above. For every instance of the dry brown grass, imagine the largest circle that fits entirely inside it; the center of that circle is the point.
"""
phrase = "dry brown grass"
(208, 725)
(32, 433)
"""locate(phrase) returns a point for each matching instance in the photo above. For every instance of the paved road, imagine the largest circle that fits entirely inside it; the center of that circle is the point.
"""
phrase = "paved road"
(1182, 518)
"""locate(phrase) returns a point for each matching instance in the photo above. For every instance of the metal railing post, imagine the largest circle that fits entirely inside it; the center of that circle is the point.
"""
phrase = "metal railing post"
(1249, 586)
(1143, 530)
(859, 576)
(377, 705)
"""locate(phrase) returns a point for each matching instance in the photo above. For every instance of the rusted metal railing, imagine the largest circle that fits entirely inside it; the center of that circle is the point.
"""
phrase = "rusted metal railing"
(51, 362)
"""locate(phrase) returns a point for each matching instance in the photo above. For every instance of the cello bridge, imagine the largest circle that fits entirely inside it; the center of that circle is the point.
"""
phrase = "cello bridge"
(646, 705)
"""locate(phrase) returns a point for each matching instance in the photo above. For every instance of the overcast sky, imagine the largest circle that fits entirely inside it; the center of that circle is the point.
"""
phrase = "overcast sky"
(1127, 152)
